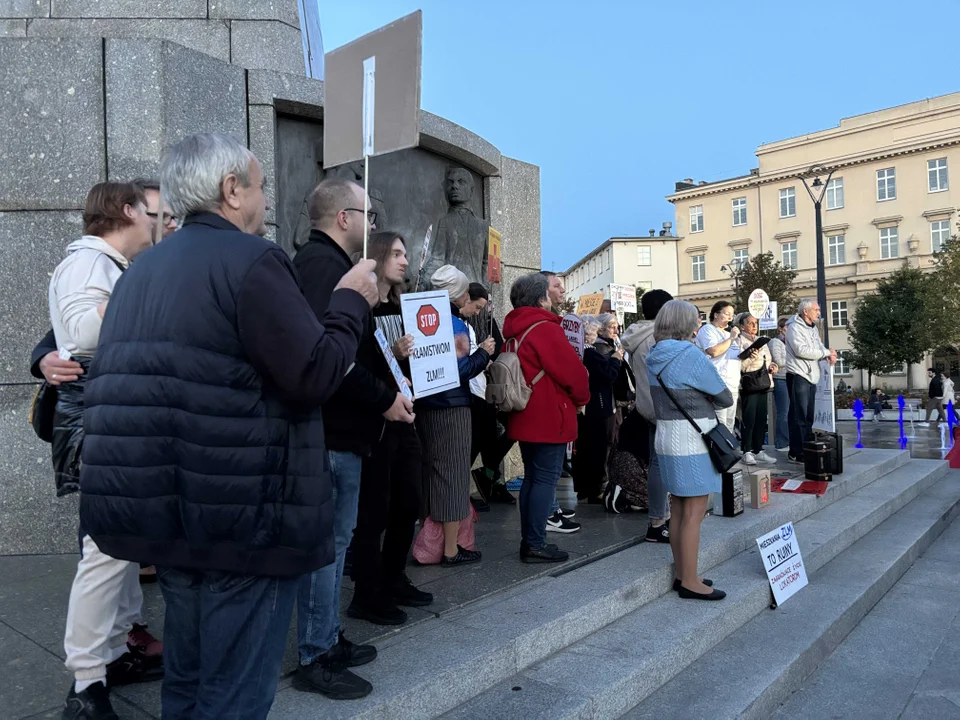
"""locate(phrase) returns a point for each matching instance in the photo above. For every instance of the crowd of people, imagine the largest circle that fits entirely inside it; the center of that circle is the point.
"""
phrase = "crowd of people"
(237, 435)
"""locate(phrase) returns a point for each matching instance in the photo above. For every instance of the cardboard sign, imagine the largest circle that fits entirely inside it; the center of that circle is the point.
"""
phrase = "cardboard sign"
(389, 109)
(623, 298)
(573, 329)
(823, 414)
(433, 362)
(493, 256)
(392, 362)
(782, 561)
(758, 302)
(590, 304)
(768, 321)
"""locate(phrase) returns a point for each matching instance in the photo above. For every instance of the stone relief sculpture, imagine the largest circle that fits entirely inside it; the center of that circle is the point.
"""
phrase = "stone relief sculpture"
(459, 237)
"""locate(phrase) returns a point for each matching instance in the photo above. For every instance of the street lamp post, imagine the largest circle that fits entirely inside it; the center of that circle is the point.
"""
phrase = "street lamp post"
(821, 189)
(734, 269)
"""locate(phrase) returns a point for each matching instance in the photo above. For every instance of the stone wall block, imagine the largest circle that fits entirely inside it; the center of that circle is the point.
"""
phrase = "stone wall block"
(285, 11)
(266, 44)
(129, 9)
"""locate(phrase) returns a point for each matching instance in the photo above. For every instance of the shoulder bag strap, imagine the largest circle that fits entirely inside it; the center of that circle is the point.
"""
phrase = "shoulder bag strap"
(674, 400)
(539, 375)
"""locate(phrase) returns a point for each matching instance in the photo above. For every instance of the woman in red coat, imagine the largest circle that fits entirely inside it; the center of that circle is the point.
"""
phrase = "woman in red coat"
(549, 421)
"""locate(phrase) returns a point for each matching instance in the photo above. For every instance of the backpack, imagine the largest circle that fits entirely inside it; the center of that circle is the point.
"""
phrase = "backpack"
(507, 388)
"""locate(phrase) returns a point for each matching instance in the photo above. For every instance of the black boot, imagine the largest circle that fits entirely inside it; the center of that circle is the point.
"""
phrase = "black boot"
(90, 704)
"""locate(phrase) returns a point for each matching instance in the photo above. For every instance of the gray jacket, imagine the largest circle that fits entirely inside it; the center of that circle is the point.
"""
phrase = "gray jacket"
(637, 341)
(804, 350)
(779, 352)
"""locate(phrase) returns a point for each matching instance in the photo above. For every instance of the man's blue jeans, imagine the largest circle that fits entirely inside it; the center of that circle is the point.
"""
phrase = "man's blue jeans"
(803, 395)
(781, 399)
(318, 602)
(223, 641)
(542, 465)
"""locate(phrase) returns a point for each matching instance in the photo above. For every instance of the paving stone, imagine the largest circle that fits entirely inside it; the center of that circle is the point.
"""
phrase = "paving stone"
(33, 679)
(938, 706)
(929, 572)
(13, 28)
(529, 700)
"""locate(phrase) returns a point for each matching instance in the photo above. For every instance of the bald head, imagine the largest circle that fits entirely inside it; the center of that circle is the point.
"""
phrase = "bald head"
(336, 208)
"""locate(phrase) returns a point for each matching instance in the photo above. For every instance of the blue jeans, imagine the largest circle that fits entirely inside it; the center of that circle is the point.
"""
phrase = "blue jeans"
(542, 465)
(781, 401)
(803, 395)
(657, 497)
(318, 602)
(223, 641)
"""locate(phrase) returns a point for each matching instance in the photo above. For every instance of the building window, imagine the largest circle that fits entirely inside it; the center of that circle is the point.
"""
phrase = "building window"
(937, 175)
(838, 313)
(643, 286)
(644, 255)
(939, 234)
(788, 202)
(886, 184)
(836, 247)
(788, 255)
(889, 243)
(696, 218)
(843, 363)
(699, 266)
(740, 211)
(835, 194)
(741, 258)
(607, 260)
(595, 262)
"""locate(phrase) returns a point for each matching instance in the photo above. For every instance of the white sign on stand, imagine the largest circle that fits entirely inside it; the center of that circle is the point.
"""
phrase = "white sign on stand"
(758, 302)
(433, 361)
(823, 413)
(780, 552)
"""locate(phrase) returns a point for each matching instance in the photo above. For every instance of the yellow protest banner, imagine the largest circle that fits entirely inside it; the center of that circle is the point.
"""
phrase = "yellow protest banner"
(590, 304)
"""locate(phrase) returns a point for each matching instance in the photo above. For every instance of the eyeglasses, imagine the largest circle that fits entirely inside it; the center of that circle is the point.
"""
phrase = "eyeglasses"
(166, 218)
(371, 215)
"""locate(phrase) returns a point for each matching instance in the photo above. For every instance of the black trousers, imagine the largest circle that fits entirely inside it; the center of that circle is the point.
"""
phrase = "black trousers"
(391, 484)
(753, 409)
(486, 441)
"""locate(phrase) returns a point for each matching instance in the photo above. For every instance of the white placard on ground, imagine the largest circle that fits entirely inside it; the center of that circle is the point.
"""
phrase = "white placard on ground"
(392, 362)
(780, 552)
(823, 407)
(433, 362)
(573, 329)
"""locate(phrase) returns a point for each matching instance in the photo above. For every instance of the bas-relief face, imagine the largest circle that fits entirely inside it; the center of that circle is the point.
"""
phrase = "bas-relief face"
(458, 186)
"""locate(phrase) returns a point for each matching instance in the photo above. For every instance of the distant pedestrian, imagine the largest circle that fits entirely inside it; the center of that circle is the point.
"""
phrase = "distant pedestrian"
(935, 397)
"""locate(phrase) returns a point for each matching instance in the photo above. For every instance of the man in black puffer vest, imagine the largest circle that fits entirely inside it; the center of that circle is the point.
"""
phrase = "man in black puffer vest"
(204, 450)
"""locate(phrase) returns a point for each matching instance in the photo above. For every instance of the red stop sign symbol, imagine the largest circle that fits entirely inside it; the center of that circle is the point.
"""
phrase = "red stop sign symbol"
(428, 320)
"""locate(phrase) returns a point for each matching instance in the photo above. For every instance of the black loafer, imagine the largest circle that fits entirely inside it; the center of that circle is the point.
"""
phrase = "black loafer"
(462, 557)
(676, 583)
(134, 667)
(691, 595)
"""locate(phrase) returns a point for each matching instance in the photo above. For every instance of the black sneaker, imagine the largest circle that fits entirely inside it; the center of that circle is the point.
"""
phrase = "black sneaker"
(546, 554)
(90, 704)
(479, 504)
(795, 459)
(559, 524)
(462, 557)
(403, 592)
(500, 494)
(134, 667)
(378, 610)
(568, 513)
(659, 534)
(331, 680)
(350, 654)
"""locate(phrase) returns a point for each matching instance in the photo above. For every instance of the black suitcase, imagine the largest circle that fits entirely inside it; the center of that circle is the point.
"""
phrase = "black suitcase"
(731, 497)
(816, 460)
(834, 443)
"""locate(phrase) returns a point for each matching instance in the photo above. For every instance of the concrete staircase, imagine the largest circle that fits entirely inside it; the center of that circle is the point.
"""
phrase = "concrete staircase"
(609, 639)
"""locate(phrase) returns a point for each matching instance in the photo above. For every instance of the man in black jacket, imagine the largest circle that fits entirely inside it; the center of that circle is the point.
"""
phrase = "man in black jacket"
(204, 448)
(353, 422)
(934, 397)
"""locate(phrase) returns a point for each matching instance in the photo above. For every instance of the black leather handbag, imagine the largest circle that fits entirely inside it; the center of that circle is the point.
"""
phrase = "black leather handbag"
(756, 381)
(720, 442)
(42, 410)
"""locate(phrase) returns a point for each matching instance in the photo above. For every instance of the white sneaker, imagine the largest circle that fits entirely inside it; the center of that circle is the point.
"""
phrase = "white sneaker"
(764, 458)
(749, 459)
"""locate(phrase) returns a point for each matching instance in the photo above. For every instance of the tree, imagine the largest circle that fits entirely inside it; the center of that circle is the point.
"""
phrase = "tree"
(567, 307)
(943, 295)
(765, 272)
(891, 328)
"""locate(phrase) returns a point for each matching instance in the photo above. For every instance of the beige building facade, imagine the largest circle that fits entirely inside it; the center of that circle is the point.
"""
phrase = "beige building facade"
(644, 262)
(891, 200)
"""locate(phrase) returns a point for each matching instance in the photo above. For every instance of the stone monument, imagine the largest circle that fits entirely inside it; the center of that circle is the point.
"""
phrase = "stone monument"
(96, 90)
(460, 237)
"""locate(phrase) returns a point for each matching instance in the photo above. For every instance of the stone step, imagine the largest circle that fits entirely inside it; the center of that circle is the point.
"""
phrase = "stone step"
(612, 670)
(444, 662)
(752, 671)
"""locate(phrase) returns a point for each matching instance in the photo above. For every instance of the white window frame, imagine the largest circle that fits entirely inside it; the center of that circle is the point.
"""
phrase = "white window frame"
(696, 218)
(941, 226)
(741, 256)
(934, 170)
(739, 211)
(788, 249)
(886, 184)
(839, 314)
(834, 194)
(644, 286)
(698, 268)
(892, 237)
(788, 202)
(838, 248)
(842, 367)
(644, 255)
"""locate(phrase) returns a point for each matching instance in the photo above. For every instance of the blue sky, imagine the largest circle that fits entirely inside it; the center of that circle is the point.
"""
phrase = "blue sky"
(617, 100)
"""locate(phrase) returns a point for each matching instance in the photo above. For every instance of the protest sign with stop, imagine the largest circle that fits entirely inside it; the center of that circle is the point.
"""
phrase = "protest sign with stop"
(433, 362)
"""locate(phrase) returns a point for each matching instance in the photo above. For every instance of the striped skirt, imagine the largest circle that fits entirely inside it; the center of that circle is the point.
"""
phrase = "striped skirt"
(445, 436)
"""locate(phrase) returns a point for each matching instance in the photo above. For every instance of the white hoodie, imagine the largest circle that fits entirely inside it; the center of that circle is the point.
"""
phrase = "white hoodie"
(80, 283)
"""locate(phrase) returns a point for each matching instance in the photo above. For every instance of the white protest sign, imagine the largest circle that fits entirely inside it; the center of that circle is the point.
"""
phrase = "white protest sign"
(392, 362)
(623, 298)
(758, 302)
(768, 321)
(823, 414)
(433, 362)
(369, 102)
(782, 561)
(573, 329)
